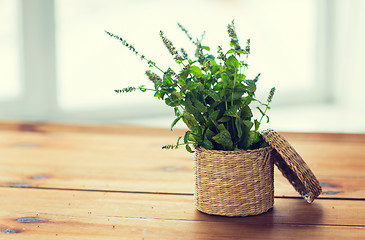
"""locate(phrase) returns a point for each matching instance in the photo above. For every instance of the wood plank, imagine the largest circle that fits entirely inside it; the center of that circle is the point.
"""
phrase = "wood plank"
(332, 187)
(108, 162)
(34, 214)
(340, 159)
(136, 130)
(90, 228)
(51, 156)
(18, 203)
(325, 137)
(60, 156)
(86, 128)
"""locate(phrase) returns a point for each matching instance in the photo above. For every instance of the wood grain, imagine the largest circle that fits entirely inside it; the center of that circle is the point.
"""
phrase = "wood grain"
(79, 227)
(98, 215)
(115, 182)
(123, 158)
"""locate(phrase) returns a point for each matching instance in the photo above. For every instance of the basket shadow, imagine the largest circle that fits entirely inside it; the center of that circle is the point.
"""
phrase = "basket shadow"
(285, 216)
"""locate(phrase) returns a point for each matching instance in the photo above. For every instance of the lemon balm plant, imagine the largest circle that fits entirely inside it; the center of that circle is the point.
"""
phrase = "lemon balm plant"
(210, 94)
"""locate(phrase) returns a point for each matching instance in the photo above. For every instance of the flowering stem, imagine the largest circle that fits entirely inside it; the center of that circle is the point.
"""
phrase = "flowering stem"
(131, 47)
(269, 99)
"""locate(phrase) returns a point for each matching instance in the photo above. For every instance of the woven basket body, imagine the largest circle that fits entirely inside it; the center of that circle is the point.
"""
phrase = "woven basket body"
(234, 183)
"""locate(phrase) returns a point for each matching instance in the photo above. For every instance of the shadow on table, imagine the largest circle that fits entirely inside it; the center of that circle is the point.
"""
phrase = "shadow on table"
(283, 219)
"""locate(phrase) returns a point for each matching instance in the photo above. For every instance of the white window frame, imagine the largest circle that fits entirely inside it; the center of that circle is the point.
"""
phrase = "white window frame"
(37, 98)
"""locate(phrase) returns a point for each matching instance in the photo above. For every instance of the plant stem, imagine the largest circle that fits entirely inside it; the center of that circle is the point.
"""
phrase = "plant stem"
(266, 107)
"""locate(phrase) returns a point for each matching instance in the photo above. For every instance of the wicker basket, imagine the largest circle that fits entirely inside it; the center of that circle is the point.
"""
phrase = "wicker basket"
(234, 183)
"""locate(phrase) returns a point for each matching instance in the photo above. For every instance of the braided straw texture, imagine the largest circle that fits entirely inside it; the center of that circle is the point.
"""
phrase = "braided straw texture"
(234, 183)
(292, 166)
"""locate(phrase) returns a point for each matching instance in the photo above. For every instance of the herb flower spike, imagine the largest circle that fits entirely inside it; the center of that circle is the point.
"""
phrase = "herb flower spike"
(210, 94)
(186, 33)
(124, 42)
(233, 35)
(271, 95)
(153, 77)
(133, 49)
(170, 46)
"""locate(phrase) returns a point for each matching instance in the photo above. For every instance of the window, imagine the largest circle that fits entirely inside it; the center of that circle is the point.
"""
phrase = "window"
(9, 57)
(90, 65)
(59, 65)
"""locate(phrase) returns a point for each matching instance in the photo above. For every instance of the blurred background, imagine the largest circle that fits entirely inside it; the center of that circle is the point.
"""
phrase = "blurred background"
(58, 65)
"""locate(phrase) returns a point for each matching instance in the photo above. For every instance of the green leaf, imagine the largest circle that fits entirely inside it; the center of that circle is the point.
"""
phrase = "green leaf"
(236, 93)
(251, 85)
(177, 112)
(255, 137)
(189, 120)
(232, 62)
(212, 94)
(167, 80)
(267, 119)
(214, 115)
(175, 121)
(210, 57)
(196, 71)
(241, 77)
(186, 137)
(224, 138)
(172, 102)
(200, 118)
(159, 95)
(230, 51)
(189, 86)
(247, 100)
(209, 133)
(199, 105)
(176, 95)
(188, 148)
(246, 113)
(241, 51)
(224, 119)
(232, 111)
(248, 124)
(142, 88)
(221, 128)
(192, 138)
(178, 142)
(207, 144)
(233, 43)
(257, 125)
(238, 123)
(189, 105)
(206, 48)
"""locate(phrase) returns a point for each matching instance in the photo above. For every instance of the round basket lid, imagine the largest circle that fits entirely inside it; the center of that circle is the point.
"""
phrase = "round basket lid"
(292, 166)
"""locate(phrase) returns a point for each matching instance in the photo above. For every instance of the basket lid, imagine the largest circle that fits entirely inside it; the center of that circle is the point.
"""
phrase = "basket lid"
(292, 166)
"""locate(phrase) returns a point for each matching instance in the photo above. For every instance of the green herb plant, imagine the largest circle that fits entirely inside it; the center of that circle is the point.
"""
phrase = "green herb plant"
(211, 95)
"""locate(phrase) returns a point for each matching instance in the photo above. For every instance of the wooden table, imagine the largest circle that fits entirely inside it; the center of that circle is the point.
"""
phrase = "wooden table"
(115, 182)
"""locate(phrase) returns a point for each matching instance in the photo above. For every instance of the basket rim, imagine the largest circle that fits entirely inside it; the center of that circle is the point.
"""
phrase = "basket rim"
(233, 151)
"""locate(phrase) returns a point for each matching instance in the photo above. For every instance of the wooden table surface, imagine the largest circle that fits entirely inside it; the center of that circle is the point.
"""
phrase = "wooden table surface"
(115, 182)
